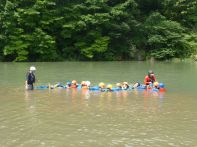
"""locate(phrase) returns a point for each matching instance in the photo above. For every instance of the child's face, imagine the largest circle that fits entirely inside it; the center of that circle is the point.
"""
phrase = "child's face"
(152, 75)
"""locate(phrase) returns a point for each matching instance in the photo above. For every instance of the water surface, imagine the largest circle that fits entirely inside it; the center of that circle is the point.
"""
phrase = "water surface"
(69, 118)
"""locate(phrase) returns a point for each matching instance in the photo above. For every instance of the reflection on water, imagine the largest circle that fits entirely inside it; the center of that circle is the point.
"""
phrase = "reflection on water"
(83, 118)
(91, 118)
(75, 100)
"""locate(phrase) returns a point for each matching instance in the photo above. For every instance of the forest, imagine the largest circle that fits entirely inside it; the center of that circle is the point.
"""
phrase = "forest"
(97, 30)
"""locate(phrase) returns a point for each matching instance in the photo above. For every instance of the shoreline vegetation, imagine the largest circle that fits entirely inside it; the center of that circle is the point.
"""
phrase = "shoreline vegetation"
(97, 30)
(151, 60)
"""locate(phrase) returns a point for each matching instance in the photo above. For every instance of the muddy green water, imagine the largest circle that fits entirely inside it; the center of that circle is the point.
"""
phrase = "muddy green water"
(71, 118)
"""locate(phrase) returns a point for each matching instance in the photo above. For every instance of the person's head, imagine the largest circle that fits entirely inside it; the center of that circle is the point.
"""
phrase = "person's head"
(83, 83)
(88, 83)
(118, 85)
(68, 83)
(109, 87)
(161, 85)
(101, 85)
(150, 73)
(156, 84)
(74, 82)
(32, 69)
(125, 85)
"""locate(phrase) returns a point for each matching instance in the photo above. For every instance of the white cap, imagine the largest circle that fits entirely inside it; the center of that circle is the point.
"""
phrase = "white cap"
(32, 68)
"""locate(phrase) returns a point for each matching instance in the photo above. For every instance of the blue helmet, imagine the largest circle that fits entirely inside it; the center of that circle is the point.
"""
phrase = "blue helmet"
(161, 85)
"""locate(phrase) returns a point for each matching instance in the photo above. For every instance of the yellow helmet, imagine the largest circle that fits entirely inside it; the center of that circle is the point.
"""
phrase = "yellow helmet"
(156, 84)
(118, 84)
(102, 85)
(109, 86)
(125, 83)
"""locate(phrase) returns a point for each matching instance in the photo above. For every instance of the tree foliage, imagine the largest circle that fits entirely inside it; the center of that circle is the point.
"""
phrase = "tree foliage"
(53, 30)
(165, 38)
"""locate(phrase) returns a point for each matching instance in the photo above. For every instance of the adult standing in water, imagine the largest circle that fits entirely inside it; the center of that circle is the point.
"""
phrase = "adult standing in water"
(30, 78)
(150, 78)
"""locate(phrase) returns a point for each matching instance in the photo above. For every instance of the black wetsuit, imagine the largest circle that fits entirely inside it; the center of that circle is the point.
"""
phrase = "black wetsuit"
(30, 77)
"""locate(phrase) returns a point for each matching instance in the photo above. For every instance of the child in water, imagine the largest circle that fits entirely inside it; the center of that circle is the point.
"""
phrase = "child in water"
(74, 84)
(58, 85)
(125, 85)
(101, 86)
(119, 85)
(109, 87)
(85, 84)
(68, 84)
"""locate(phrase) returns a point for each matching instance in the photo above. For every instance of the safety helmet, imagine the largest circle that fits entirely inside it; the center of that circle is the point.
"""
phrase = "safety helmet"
(88, 83)
(109, 86)
(83, 83)
(74, 82)
(161, 85)
(156, 84)
(118, 84)
(125, 83)
(32, 68)
(102, 85)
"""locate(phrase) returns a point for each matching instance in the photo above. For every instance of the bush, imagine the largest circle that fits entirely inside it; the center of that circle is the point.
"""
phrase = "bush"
(194, 57)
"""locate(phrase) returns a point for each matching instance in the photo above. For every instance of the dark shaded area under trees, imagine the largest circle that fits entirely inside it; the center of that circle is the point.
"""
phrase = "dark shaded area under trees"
(59, 30)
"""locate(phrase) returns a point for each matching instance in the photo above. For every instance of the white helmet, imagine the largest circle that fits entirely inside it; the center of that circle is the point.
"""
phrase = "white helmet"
(32, 68)
(88, 83)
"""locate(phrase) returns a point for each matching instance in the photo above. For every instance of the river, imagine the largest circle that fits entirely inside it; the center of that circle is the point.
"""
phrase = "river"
(81, 118)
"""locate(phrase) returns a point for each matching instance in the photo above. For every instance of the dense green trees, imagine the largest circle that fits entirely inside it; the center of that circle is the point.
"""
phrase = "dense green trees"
(53, 30)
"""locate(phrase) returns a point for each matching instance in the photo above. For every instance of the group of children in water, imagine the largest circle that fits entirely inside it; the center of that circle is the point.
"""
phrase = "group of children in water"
(149, 83)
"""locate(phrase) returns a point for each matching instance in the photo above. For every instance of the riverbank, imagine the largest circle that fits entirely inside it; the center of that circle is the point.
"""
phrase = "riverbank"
(193, 58)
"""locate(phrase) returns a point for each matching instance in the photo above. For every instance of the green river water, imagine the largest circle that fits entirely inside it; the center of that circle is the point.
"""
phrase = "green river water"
(81, 118)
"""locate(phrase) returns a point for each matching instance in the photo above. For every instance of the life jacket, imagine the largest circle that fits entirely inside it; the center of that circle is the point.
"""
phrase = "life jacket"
(73, 86)
(147, 80)
(162, 90)
(84, 87)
